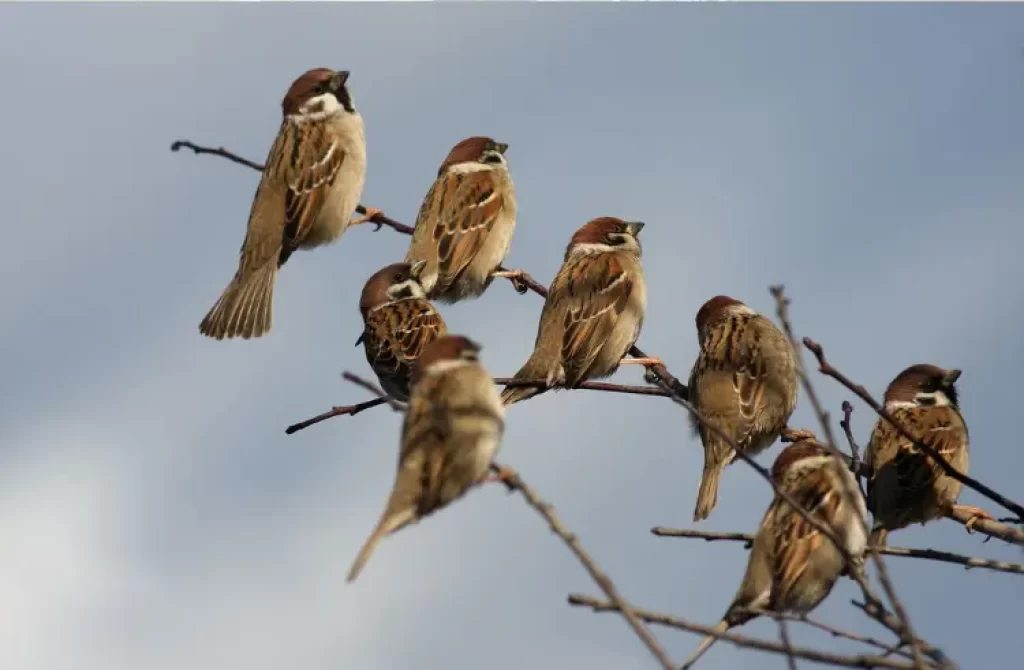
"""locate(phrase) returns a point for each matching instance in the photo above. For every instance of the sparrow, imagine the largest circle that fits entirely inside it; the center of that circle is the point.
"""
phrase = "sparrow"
(465, 224)
(398, 322)
(792, 566)
(906, 486)
(744, 381)
(451, 432)
(593, 312)
(310, 187)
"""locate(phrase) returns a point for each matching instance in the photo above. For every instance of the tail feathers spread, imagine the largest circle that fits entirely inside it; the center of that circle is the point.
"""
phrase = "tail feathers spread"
(244, 309)
(705, 645)
(389, 524)
(707, 496)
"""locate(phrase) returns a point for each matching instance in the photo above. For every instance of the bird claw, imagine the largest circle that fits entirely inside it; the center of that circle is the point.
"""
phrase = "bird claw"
(372, 216)
(514, 276)
(975, 513)
(502, 474)
(648, 362)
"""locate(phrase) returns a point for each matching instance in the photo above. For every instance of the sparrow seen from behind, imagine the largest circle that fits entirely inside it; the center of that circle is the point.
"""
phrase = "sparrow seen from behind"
(594, 310)
(465, 224)
(451, 432)
(310, 187)
(398, 323)
(906, 486)
(744, 381)
(793, 566)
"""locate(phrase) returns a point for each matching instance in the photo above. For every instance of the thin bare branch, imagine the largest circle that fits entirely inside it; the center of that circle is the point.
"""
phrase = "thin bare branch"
(987, 527)
(782, 305)
(374, 389)
(344, 410)
(515, 483)
(928, 554)
(827, 369)
(858, 661)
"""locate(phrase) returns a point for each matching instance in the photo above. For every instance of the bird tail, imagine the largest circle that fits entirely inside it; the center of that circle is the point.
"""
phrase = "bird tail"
(514, 394)
(705, 645)
(707, 496)
(244, 309)
(388, 524)
(878, 536)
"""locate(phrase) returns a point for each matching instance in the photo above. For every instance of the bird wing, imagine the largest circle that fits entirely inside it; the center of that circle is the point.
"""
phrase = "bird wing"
(395, 335)
(594, 291)
(457, 214)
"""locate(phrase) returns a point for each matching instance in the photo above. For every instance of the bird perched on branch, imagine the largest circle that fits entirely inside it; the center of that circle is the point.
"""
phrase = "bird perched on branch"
(593, 312)
(310, 188)
(465, 224)
(744, 381)
(793, 566)
(398, 323)
(906, 485)
(452, 430)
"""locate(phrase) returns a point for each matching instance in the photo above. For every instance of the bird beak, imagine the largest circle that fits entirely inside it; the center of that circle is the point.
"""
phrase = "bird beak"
(635, 227)
(502, 147)
(340, 77)
(951, 377)
(360, 340)
(416, 269)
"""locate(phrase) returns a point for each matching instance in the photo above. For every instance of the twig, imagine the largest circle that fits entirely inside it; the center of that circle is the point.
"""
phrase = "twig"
(515, 483)
(859, 661)
(786, 642)
(928, 554)
(847, 427)
(349, 410)
(374, 389)
(587, 386)
(782, 304)
(836, 632)
(346, 410)
(827, 369)
(522, 283)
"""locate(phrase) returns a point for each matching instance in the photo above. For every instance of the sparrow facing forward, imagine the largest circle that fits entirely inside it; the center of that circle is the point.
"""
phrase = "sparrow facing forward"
(906, 486)
(744, 381)
(310, 187)
(398, 323)
(465, 225)
(792, 566)
(593, 312)
(452, 430)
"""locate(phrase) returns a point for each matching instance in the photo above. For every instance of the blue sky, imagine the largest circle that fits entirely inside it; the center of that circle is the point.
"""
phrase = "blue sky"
(153, 512)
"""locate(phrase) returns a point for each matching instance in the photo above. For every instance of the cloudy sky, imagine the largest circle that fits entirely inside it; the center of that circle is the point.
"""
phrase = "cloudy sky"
(154, 515)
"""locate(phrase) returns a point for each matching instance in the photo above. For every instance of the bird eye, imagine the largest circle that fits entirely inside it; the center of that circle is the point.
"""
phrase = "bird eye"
(400, 277)
(492, 157)
(320, 88)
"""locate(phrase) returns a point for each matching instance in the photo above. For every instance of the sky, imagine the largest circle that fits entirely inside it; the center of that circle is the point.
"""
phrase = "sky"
(153, 514)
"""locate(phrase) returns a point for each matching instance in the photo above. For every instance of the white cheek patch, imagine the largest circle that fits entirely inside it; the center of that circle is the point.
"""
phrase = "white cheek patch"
(591, 249)
(936, 399)
(317, 108)
(470, 166)
(410, 288)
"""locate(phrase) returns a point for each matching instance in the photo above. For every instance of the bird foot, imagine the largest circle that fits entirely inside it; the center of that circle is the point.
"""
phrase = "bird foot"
(370, 217)
(503, 474)
(649, 361)
(514, 276)
(797, 434)
(975, 512)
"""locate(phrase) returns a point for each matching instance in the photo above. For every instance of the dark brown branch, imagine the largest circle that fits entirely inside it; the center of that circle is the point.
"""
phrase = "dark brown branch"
(928, 554)
(827, 369)
(782, 305)
(522, 283)
(847, 427)
(349, 410)
(859, 661)
(515, 483)
(374, 389)
(345, 410)
(586, 386)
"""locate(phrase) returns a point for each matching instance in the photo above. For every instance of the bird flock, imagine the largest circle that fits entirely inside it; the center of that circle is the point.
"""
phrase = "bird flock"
(744, 381)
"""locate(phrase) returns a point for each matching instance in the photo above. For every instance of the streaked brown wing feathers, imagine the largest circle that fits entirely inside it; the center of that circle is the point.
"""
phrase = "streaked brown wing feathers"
(315, 158)
(597, 291)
